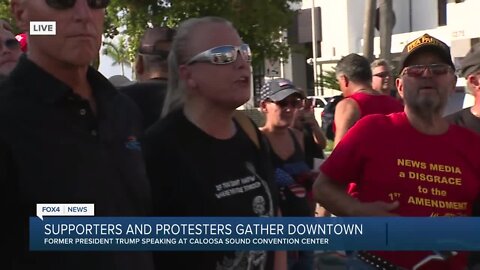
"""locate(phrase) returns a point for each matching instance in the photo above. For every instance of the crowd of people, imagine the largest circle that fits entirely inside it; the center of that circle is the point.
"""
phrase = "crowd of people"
(174, 144)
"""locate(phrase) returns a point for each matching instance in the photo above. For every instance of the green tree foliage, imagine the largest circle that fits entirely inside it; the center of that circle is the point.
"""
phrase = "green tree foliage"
(131, 18)
(328, 80)
(260, 22)
(6, 15)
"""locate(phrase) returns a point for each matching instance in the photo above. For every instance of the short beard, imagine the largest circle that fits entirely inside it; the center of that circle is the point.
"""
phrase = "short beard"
(427, 110)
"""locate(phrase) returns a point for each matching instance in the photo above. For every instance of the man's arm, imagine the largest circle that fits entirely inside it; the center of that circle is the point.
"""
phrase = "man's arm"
(333, 197)
(346, 114)
(318, 136)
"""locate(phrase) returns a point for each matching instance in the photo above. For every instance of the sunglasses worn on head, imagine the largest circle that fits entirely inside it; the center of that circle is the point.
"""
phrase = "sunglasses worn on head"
(11, 44)
(293, 103)
(66, 4)
(419, 70)
(222, 55)
(383, 74)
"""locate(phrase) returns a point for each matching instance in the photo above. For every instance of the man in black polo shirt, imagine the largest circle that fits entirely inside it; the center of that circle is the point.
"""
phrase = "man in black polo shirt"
(151, 70)
(67, 136)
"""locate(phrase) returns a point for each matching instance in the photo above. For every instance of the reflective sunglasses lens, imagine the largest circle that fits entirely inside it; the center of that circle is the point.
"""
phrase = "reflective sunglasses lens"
(417, 71)
(414, 71)
(246, 52)
(223, 55)
(12, 44)
(439, 69)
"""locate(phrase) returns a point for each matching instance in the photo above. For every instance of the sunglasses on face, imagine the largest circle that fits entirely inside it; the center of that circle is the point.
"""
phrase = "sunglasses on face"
(66, 4)
(222, 55)
(384, 74)
(292, 103)
(11, 44)
(419, 70)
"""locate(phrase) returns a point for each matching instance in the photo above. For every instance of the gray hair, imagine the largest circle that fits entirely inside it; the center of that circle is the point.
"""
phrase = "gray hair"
(355, 67)
(380, 63)
(175, 97)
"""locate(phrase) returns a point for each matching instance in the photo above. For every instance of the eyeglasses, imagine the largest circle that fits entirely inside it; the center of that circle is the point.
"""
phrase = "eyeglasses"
(66, 4)
(222, 55)
(293, 103)
(11, 44)
(418, 70)
(383, 74)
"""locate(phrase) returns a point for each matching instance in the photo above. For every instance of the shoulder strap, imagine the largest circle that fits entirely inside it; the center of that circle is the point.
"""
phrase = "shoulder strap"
(247, 126)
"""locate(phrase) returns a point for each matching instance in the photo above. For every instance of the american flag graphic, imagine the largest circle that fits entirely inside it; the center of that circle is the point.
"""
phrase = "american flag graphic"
(298, 190)
(285, 180)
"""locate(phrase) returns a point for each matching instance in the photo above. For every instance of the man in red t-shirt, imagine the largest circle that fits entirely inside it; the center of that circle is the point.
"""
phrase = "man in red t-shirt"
(412, 163)
(354, 77)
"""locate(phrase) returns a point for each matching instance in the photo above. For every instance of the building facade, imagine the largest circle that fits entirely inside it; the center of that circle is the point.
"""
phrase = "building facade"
(339, 29)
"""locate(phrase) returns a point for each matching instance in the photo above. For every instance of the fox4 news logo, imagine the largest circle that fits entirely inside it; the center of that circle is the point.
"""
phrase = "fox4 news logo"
(44, 28)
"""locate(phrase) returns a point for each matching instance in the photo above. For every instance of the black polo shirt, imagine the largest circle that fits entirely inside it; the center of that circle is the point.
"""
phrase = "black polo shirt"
(53, 149)
(149, 97)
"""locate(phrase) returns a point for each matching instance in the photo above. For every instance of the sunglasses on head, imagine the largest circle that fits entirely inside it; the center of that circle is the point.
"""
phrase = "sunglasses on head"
(11, 44)
(222, 55)
(419, 70)
(66, 4)
(296, 103)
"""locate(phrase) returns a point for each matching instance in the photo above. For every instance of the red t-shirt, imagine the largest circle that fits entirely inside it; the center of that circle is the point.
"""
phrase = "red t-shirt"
(373, 104)
(430, 175)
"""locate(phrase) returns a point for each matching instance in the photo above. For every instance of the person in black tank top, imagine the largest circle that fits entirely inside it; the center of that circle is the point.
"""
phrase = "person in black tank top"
(280, 102)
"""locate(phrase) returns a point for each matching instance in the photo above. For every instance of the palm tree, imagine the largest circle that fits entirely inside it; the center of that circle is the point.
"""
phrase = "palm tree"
(118, 52)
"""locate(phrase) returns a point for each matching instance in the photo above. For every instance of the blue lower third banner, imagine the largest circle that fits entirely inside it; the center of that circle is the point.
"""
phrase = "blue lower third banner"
(235, 233)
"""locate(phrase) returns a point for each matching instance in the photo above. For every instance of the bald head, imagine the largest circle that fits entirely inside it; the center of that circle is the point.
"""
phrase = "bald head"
(153, 53)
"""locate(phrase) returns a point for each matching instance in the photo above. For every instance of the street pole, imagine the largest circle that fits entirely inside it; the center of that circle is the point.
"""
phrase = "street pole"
(368, 29)
(386, 23)
(282, 70)
(314, 49)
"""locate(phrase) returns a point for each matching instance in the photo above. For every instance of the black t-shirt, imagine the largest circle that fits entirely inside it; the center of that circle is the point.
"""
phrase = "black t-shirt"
(194, 174)
(465, 118)
(54, 149)
(149, 97)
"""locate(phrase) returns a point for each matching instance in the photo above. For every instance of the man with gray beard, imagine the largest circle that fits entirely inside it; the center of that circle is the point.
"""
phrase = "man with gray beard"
(392, 178)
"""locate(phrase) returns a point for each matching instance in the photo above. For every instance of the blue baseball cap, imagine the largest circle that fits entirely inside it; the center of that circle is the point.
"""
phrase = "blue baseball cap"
(279, 89)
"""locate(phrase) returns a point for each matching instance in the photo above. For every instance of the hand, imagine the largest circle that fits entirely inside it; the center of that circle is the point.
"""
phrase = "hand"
(377, 208)
(309, 119)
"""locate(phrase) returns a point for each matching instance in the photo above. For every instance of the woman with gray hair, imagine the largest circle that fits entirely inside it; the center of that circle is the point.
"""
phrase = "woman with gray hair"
(209, 77)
